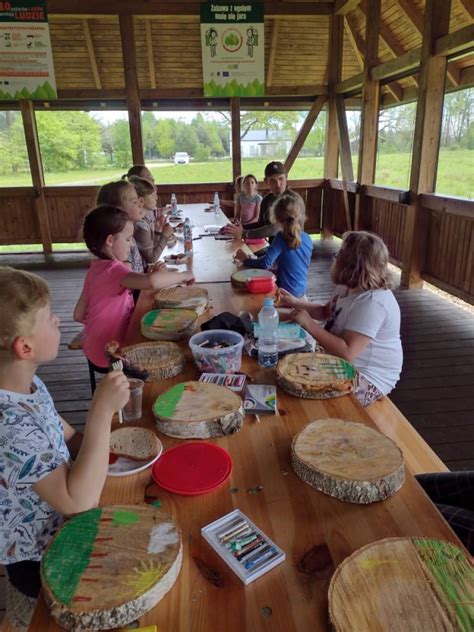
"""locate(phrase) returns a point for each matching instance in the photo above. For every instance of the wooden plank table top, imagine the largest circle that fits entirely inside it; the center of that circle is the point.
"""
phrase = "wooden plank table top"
(296, 516)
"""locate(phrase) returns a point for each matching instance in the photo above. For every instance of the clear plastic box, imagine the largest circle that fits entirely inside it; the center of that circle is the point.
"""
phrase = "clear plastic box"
(215, 360)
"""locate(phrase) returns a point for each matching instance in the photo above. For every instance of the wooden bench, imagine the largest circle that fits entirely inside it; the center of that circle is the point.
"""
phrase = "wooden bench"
(389, 420)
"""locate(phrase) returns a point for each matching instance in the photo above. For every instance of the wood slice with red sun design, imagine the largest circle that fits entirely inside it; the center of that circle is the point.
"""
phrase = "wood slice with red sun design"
(108, 566)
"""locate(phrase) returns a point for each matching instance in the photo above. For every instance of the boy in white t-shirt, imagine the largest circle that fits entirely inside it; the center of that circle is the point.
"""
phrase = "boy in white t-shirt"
(362, 318)
(39, 482)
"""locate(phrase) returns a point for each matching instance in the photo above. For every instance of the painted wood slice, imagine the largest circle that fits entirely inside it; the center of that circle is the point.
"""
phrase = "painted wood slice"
(197, 410)
(316, 375)
(159, 360)
(184, 297)
(403, 585)
(168, 324)
(108, 566)
(240, 277)
(347, 460)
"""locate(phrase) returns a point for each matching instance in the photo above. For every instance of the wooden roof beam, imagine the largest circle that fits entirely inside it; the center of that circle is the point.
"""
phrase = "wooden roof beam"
(91, 54)
(416, 18)
(149, 53)
(468, 6)
(342, 7)
(273, 50)
(94, 8)
(459, 42)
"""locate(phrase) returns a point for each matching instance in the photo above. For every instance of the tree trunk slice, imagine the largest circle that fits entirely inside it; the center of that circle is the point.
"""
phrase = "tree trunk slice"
(108, 566)
(403, 585)
(183, 297)
(168, 324)
(348, 460)
(160, 360)
(316, 375)
(240, 277)
(197, 410)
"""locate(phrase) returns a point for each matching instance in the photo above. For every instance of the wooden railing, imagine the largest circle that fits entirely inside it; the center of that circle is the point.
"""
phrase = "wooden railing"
(449, 244)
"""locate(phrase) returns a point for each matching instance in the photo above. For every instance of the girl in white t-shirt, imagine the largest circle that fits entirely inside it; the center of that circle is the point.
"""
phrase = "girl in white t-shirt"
(363, 317)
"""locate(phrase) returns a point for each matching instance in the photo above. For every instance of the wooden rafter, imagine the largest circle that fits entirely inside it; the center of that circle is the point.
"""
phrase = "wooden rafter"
(342, 7)
(416, 18)
(304, 131)
(273, 50)
(358, 45)
(468, 6)
(149, 53)
(389, 38)
(91, 54)
(459, 42)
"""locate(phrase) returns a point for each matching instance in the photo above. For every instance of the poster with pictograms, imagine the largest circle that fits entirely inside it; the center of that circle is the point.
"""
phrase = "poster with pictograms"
(26, 60)
(233, 50)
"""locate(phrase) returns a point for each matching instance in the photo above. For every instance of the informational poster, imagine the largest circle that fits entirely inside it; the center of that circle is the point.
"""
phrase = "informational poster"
(233, 51)
(26, 60)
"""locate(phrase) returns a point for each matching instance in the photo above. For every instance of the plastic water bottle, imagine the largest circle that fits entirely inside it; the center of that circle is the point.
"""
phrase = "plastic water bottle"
(188, 237)
(268, 338)
(217, 203)
(174, 205)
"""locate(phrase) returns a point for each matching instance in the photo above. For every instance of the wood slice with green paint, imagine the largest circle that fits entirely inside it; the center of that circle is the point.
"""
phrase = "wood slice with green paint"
(160, 360)
(168, 324)
(316, 375)
(348, 460)
(197, 410)
(108, 566)
(403, 585)
(240, 277)
(184, 297)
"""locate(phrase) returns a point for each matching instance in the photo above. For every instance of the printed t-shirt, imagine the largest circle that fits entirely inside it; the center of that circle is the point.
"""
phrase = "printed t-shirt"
(248, 204)
(32, 446)
(376, 314)
(109, 306)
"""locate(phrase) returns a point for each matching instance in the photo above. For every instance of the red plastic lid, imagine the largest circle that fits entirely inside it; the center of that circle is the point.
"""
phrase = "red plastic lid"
(192, 468)
(261, 285)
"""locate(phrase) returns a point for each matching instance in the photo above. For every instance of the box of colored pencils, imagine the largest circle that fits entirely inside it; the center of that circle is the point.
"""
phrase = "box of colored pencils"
(242, 546)
(234, 381)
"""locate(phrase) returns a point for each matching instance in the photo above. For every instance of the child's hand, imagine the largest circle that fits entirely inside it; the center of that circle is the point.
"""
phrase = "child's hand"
(240, 255)
(113, 391)
(285, 298)
(159, 266)
(302, 317)
(188, 278)
(168, 230)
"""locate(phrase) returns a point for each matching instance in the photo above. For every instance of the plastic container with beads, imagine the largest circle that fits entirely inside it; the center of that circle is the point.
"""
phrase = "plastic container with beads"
(217, 351)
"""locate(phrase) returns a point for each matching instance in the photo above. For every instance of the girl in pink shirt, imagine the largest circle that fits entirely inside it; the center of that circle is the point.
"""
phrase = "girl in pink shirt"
(106, 302)
(247, 205)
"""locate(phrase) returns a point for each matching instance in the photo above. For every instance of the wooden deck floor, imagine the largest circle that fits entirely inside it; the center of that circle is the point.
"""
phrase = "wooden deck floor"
(436, 390)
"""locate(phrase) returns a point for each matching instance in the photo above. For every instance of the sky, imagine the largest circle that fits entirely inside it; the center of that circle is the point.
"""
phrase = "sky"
(108, 117)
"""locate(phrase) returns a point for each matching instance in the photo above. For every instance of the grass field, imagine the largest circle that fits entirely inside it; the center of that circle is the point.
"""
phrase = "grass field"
(455, 172)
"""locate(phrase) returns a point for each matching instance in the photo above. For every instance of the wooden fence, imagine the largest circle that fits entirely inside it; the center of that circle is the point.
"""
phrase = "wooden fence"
(448, 246)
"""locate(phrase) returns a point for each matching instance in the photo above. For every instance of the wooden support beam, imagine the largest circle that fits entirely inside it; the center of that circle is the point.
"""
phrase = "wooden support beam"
(304, 131)
(468, 6)
(149, 53)
(131, 86)
(165, 8)
(91, 54)
(334, 71)
(351, 85)
(344, 142)
(459, 42)
(37, 174)
(342, 7)
(235, 132)
(432, 78)
(273, 50)
(408, 62)
(416, 18)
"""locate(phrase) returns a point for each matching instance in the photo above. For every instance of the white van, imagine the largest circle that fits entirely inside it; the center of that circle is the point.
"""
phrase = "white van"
(181, 158)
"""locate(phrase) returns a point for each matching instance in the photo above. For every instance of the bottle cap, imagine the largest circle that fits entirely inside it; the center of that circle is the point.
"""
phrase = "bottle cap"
(268, 302)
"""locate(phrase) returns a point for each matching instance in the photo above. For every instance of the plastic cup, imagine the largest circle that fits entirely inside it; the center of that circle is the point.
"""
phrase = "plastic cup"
(133, 409)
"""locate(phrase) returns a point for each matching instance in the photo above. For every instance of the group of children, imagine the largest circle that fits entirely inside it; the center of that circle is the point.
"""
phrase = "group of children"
(40, 481)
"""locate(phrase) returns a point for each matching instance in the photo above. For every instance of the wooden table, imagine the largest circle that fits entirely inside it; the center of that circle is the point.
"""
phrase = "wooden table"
(295, 515)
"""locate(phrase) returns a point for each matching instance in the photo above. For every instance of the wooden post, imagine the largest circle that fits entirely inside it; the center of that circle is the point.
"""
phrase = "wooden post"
(235, 123)
(304, 131)
(429, 112)
(131, 87)
(370, 105)
(331, 156)
(345, 153)
(37, 174)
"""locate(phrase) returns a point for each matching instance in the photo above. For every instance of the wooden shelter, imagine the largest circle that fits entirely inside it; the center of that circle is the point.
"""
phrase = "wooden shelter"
(334, 54)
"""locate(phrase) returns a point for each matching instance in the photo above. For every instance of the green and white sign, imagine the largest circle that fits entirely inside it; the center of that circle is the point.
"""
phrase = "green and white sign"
(26, 60)
(233, 51)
